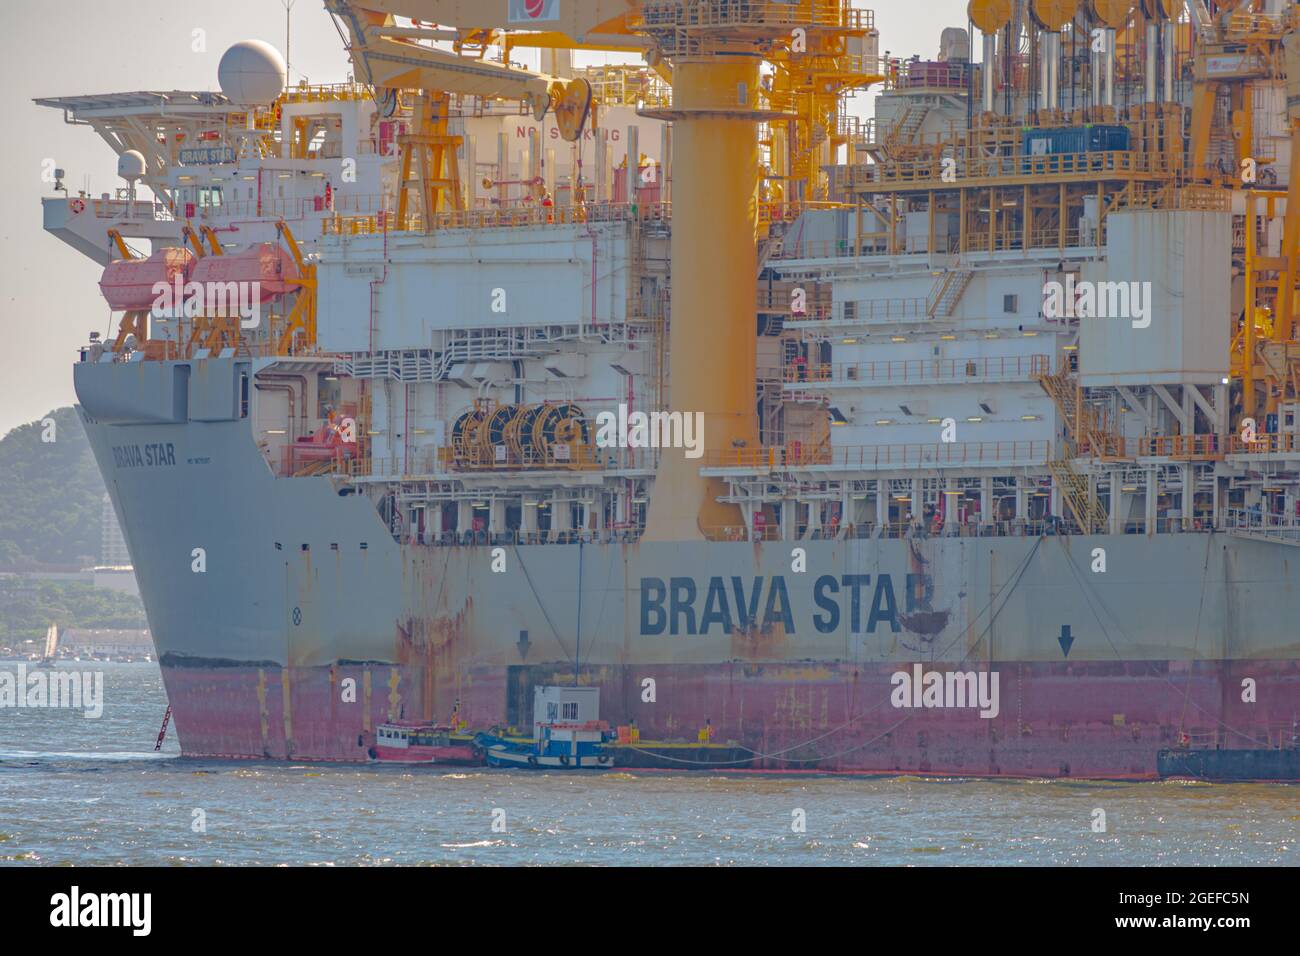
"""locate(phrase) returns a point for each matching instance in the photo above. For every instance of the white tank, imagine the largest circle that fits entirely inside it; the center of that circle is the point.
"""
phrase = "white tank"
(252, 73)
(954, 45)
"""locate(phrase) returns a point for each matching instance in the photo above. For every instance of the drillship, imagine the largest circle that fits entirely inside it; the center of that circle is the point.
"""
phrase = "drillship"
(961, 439)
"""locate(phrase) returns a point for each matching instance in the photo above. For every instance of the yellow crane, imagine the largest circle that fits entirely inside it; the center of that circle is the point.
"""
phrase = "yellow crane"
(393, 59)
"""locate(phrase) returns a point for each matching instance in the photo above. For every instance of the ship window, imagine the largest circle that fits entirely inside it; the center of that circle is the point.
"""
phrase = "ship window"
(210, 196)
(306, 547)
(571, 711)
(1011, 304)
(278, 547)
(334, 545)
(363, 546)
(329, 394)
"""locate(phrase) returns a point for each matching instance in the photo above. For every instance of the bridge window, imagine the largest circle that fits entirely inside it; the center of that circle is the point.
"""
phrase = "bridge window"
(209, 197)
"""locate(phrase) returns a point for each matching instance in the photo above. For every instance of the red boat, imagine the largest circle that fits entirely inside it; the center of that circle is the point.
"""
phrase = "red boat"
(411, 742)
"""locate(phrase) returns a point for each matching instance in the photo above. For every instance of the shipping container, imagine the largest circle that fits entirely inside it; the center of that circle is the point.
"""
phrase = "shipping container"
(1070, 141)
(1075, 139)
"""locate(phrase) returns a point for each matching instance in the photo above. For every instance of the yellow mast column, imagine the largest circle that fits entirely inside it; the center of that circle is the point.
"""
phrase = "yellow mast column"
(714, 268)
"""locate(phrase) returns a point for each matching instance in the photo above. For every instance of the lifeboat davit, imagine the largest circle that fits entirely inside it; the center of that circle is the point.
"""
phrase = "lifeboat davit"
(128, 284)
(266, 263)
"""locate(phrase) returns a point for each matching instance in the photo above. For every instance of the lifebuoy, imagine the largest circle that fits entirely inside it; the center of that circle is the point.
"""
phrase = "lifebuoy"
(78, 206)
(532, 761)
(603, 758)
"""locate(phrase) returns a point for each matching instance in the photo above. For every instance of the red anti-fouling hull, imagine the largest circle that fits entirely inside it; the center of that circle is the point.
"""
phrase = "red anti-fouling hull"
(1089, 719)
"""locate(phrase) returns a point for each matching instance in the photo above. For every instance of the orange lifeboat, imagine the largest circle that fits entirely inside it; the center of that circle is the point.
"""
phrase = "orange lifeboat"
(266, 263)
(128, 284)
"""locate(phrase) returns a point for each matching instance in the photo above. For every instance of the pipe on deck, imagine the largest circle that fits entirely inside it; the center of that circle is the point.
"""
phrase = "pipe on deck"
(1171, 50)
(990, 67)
(714, 268)
(1149, 71)
(1109, 96)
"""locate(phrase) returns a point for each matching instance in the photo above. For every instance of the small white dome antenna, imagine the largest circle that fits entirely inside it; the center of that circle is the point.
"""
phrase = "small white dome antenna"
(131, 167)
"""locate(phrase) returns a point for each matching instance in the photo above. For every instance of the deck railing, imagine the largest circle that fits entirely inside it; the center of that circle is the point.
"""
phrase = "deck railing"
(906, 455)
(1010, 368)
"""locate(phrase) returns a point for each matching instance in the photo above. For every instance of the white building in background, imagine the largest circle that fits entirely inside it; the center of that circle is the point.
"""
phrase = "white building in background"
(112, 547)
(114, 570)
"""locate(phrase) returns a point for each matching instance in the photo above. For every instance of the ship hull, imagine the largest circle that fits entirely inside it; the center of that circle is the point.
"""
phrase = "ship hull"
(289, 624)
(1083, 720)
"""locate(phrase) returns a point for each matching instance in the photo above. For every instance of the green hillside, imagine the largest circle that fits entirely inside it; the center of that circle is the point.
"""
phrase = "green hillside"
(28, 607)
(53, 496)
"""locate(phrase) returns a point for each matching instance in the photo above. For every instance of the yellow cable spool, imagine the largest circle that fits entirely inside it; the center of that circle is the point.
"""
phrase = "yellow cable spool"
(492, 435)
(467, 433)
(519, 433)
(1053, 15)
(559, 424)
(1113, 13)
(989, 16)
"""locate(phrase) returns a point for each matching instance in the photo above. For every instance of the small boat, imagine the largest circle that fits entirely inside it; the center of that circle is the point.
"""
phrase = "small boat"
(561, 747)
(413, 742)
(51, 647)
(566, 734)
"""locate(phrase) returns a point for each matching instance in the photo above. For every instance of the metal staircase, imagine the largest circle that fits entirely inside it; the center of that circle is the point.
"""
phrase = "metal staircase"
(888, 146)
(1085, 432)
(948, 289)
(1088, 512)
(1086, 436)
(908, 125)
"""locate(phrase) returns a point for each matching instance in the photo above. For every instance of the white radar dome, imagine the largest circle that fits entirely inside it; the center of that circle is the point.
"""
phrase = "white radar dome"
(252, 73)
(130, 165)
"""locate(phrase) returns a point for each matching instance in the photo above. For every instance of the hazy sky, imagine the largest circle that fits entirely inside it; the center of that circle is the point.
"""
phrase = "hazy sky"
(49, 297)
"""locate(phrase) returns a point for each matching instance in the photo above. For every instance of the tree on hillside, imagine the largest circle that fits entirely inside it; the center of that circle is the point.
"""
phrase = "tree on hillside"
(54, 494)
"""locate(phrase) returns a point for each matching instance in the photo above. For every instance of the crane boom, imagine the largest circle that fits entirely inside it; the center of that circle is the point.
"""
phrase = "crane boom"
(391, 58)
(574, 19)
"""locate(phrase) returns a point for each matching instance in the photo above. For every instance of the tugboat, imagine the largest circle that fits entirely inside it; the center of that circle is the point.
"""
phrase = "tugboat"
(413, 742)
(567, 734)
